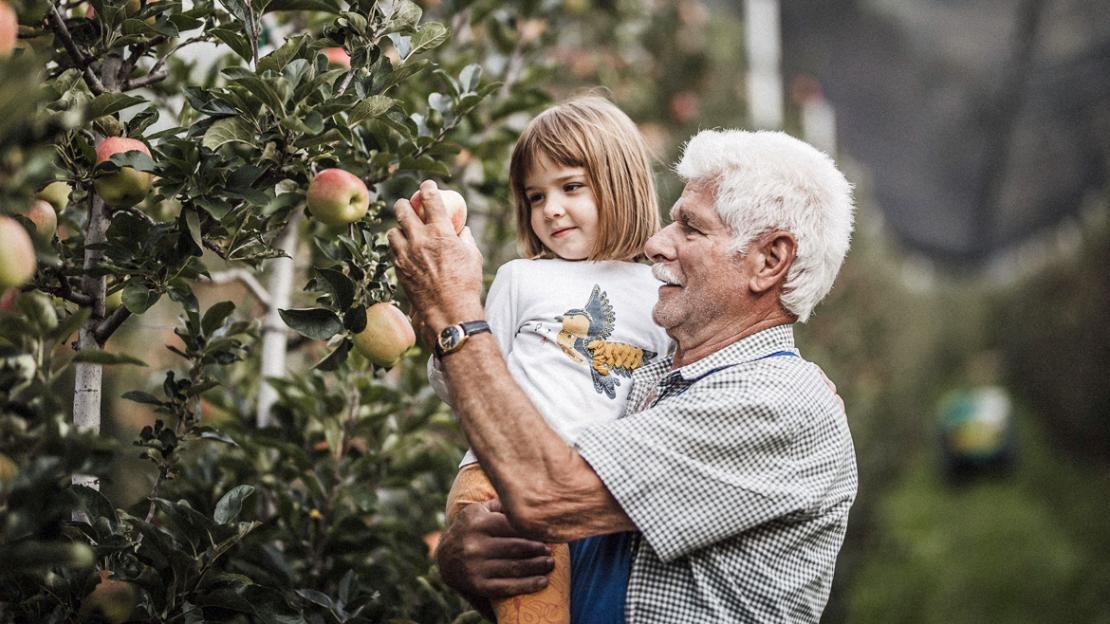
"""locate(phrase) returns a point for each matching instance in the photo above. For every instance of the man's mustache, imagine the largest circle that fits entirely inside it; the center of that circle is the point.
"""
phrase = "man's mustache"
(666, 275)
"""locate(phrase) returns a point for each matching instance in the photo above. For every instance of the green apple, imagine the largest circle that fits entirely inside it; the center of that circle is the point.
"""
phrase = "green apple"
(452, 201)
(42, 214)
(17, 254)
(57, 193)
(112, 600)
(337, 197)
(387, 336)
(338, 57)
(124, 187)
(9, 29)
(113, 301)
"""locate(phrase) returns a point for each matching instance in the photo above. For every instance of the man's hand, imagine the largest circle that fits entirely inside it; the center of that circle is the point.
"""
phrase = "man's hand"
(441, 272)
(481, 556)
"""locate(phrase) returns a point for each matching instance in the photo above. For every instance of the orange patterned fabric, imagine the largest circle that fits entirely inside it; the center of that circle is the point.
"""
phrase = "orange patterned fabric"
(550, 605)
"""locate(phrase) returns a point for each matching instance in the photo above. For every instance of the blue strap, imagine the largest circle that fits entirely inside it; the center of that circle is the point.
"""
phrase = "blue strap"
(779, 353)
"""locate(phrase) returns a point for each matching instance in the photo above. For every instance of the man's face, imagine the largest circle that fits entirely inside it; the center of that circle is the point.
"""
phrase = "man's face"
(703, 279)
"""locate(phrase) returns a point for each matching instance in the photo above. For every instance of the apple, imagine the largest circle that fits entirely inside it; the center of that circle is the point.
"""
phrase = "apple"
(126, 186)
(338, 57)
(455, 204)
(113, 301)
(8, 470)
(17, 254)
(388, 334)
(57, 193)
(338, 197)
(9, 29)
(42, 214)
(7, 299)
(112, 600)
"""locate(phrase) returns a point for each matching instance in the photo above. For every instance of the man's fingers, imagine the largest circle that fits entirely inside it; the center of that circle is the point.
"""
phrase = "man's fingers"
(397, 242)
(406, 218)
(435, 214)
(506, 588)
(516, 548)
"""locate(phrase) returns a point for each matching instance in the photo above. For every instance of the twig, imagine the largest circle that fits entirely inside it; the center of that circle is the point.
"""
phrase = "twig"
(108, 326)
(79, 59)
(245, 277)
(144, 81)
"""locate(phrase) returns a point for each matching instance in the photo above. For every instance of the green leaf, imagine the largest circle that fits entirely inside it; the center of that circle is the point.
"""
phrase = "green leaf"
(237, 42)
(427, 37)
(211, 433)
(373, 106)
(231, 504)
(338, 286)
(279, 58)
(95, 356)
(138, 298)
(108, 103)
(228, 130)
(315, 323)
(336, 358)
(215, 316)
(316, 597)
(469, 77)
(142, 397)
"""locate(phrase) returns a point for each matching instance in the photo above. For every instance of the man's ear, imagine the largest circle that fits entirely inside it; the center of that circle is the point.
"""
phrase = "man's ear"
(771, 255)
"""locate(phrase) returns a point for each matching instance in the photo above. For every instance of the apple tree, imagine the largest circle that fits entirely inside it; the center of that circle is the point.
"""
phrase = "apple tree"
(289, 477)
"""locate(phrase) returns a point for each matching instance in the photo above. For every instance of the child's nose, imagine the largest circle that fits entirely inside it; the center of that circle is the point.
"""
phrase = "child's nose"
(553, 209)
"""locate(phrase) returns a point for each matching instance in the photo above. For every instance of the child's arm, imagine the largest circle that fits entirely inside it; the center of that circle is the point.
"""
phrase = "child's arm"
(501, 314)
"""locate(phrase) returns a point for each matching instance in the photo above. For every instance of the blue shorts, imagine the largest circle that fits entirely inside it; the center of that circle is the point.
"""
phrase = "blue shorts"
(599, 569)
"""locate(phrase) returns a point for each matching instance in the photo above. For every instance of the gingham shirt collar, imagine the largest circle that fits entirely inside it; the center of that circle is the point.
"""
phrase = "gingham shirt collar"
(754, 347)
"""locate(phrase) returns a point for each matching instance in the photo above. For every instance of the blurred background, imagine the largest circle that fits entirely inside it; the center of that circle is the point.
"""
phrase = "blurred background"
(968, 330)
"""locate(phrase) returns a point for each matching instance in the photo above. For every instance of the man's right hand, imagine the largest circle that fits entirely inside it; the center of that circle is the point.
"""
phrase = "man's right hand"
(481, 556)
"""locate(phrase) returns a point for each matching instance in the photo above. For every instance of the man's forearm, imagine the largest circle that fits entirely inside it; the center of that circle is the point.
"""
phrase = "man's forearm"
(546, 488)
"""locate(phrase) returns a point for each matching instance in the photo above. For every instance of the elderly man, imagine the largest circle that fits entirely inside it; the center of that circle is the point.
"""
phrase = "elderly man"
(733, 467)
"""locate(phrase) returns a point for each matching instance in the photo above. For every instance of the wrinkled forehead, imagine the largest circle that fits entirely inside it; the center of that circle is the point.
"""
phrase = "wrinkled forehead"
(698, 197)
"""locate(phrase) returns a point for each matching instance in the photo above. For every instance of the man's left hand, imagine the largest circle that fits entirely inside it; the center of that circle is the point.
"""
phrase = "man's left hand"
(440, 272)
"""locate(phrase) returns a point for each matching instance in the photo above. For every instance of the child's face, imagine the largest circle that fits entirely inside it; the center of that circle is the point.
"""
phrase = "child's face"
(563, 208)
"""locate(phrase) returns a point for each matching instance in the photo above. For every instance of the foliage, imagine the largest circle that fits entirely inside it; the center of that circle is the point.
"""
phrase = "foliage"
(323, 515)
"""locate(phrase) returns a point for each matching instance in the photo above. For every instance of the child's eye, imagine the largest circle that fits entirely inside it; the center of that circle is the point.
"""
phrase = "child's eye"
(573, 186)
(534, 197)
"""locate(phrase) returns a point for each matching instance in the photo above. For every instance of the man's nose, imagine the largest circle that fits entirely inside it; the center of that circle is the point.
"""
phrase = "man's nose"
(658, 248)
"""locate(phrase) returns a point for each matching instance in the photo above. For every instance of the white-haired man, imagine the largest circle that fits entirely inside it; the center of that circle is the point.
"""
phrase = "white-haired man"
(733, 465)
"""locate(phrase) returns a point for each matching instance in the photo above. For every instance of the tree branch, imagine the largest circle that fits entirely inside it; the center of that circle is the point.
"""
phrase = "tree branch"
(79, 59)
(108, 326)
(243, 276)
(144, 81)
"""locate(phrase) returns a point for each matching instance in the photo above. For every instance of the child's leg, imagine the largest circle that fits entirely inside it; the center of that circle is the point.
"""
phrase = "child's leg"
(549, 605)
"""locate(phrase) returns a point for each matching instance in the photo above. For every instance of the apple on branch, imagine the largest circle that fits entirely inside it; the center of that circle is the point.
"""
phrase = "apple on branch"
(57, 193)
(338, 57)
(338, 197)
(452, 201)
(42, 214)
(125, 187)
(387, 336)
(9, 29)
(17, 254)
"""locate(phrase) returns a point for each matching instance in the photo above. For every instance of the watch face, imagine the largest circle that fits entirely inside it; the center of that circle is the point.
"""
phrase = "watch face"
(450, 338)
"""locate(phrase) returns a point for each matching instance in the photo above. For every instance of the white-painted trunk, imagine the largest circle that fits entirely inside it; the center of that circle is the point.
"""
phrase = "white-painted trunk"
(765, 94)
(280, 287)
(87, 386)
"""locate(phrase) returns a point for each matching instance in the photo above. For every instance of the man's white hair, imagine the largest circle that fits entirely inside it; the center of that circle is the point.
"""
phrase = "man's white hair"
(767, 181)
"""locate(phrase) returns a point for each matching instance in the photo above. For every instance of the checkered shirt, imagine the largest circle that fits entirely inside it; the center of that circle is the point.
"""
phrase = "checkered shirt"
(739, 471)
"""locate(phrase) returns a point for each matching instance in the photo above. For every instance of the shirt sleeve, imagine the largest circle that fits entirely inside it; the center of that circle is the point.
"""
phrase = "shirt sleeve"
(714, 463)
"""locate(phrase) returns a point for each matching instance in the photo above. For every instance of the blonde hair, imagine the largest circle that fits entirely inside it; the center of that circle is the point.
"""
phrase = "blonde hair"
(592, 133)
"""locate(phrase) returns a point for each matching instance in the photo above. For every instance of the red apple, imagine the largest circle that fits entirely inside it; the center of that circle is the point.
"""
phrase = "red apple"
(9, 29)
(452, 201)
(7, 299)
(387, 336)
(42, 214)
(338, 57)
(17, 254)
(126, 186)
(110, 599)
(337, 197)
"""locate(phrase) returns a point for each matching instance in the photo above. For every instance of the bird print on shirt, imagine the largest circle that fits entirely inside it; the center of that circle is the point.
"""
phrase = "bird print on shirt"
(584, 337)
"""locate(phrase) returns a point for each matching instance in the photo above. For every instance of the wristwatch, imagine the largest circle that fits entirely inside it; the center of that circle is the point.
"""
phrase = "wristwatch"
(453, 336)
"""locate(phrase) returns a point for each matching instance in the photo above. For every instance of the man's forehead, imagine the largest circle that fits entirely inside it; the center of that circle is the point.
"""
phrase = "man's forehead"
(696, 200)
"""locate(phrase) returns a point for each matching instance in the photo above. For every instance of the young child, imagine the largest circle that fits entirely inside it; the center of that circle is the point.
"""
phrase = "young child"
(573, 320)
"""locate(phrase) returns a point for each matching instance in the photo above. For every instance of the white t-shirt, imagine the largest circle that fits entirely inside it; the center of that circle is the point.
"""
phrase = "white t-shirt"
(572, 333)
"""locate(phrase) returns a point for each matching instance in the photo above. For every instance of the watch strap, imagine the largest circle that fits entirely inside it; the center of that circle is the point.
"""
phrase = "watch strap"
(467, 329)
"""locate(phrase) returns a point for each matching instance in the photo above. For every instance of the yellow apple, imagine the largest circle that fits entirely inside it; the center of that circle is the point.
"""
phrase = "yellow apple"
(57, 193)
(17, 254)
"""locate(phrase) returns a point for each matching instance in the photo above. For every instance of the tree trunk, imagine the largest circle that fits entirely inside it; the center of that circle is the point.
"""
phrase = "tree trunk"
(280, 286)
(87, 386)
